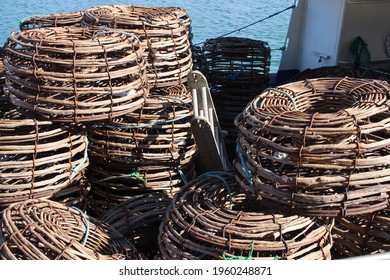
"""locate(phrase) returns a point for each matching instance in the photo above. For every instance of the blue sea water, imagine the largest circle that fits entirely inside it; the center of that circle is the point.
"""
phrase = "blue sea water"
(210, 18)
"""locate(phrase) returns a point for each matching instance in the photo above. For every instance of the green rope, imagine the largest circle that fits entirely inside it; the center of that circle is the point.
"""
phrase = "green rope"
(282, 92)
(219, 175)
(134, 174)
(248, 172)
(249, 257)
(86, 224)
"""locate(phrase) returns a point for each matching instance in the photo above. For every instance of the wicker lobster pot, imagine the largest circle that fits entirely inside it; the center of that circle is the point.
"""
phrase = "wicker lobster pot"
(151, 149)
(39, 229)
(211, 219)
(69, 19)
(164, 34)
(319, 147)
(237, 70)
(75, 74)
(237, 61)
(38, 158)
(138, 219)
(362, 235)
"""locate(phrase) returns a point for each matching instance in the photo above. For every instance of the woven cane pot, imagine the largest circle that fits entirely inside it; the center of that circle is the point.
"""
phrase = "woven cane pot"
(151, 149)
(40, 229)
(138, 218)
(39, 159)
(211, 219)
(74, 74)
(318, 147)
(164, 34)
(237, 70)
(362, 235)
(237, 61)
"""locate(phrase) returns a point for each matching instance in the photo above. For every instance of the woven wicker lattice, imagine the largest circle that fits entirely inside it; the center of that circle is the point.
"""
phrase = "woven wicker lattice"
(318, 146)
(362, 235)
(39, 229)
(150, 149)
(237, 70)
(75, 74)
(138, 218)
(52, 20)
(164, 33)
(38, 158)
(241, 61)
(211, 219)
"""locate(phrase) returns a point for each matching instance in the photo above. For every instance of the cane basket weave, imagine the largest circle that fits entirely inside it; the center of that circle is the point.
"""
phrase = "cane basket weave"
(164, 34)
(237, 70)
(68, 19)
(239, 61)
(211, 219)
(40, 229)
(319, 147)
(138, 219)
(362, 235)
(38, 158)
(150, 149)
(75, 74)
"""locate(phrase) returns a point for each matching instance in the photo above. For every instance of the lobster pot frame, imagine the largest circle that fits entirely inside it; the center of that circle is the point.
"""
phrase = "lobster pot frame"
(318, 147)
(108, 190)
(237, 70)
(138, 219)
(362, 235)
(38, 158)
(151, 149)
(237, 61)
(74, 74)
(211, 219)
(164, 33)
(39, 229)
(68, 19)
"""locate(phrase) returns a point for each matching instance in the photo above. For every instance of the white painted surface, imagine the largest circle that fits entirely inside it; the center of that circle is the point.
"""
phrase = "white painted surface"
(321, 32)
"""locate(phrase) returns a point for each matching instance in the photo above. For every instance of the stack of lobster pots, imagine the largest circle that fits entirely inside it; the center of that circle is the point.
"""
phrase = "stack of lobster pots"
(310, 179)
(94, 113)
(152, 148)
(237, 69)
(320, 148)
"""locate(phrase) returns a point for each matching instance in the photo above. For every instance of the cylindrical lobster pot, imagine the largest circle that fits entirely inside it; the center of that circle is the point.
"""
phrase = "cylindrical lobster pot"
(138, 219)
(75, 74)
(40, 229)
(39, 159)
(150, 149)
(237, 70)
(237, 61)
(210, 218)
(318, 147)
(164, 34)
